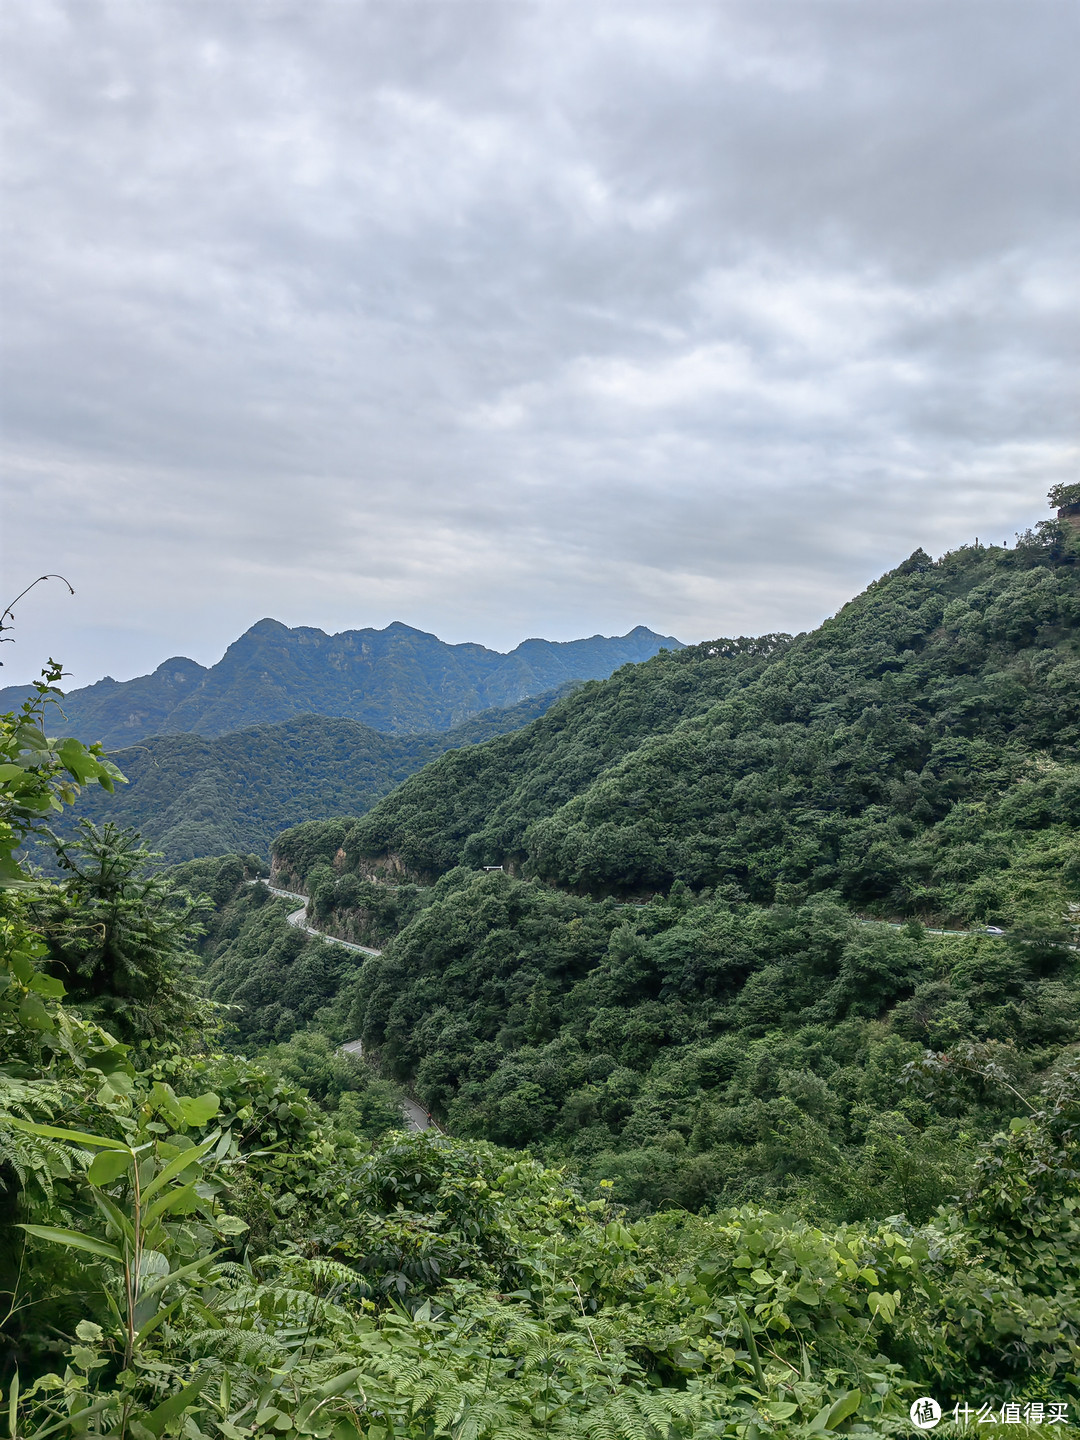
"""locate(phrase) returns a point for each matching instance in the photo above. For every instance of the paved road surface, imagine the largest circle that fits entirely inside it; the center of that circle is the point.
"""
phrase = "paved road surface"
(299, 919)
(902, 925)
(416, 1116)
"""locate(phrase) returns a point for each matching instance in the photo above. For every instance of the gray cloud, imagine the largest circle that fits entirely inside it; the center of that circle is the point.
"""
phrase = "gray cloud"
(510, 319)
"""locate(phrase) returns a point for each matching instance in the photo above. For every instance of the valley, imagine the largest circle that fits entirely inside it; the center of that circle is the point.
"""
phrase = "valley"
(798, 791)
(188, 795)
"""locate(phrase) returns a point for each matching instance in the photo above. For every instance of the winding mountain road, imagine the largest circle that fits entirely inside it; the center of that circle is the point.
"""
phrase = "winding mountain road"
(415, 1114)
(299, 919)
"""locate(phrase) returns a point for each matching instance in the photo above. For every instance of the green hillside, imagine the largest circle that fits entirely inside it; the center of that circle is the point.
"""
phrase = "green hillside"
(116, 712)
(810, 1164)
(917, 755)
(474, 807)
(190, 796)
(704, 1052)
(753, 1031)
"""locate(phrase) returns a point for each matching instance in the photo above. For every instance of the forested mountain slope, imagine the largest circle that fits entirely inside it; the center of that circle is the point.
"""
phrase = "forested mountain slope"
(190, 796)
(475, 807)
(751, 1032)
(399, 681)
(917, 753)
(705, 1052)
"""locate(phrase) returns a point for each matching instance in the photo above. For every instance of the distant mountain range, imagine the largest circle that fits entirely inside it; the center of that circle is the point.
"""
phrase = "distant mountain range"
(398, 681)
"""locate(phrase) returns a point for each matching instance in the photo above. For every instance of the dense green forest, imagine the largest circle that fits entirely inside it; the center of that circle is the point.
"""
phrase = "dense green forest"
(917, 755)
(476, 808)
(399, 681)
(190, 796)
(760, 1036)
(754, 1127)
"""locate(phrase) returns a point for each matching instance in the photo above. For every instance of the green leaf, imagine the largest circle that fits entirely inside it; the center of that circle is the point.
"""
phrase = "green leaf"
(57, 1132)
(23, 968)
(152, 1266)
(883, 1303)
(115, 1216)
(65, 1423)
(199, 1109)
(180, 1200)
(154, 1321)
(175, 1406)
(165, 1103)
(34, 1016)
(838, 1412)
(229, 1224)
(12, 878)
(13, 1405)
(48, 985)
(31, 738)
(78, 761)
(177, 1166)
(74, 1240)
(182, 1274)
(326, 1391)
(108, 1165)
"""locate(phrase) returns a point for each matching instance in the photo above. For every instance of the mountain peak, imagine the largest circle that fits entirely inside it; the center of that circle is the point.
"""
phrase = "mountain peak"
(179, 665)
(398, 680)
(267, 626)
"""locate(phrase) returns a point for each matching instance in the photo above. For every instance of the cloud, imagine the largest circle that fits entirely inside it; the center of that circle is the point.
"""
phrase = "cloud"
(522, 319)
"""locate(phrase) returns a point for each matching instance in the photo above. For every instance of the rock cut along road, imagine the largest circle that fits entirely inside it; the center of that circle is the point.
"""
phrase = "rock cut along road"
(299, 919)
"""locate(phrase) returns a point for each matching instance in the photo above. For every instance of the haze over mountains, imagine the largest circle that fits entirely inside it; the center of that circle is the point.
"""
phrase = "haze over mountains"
(399, 681)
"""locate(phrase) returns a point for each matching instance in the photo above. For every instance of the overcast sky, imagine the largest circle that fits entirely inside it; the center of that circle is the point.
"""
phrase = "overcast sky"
(509, 319)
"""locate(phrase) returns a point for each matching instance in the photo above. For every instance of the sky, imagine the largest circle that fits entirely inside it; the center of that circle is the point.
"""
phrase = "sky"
(509, 319)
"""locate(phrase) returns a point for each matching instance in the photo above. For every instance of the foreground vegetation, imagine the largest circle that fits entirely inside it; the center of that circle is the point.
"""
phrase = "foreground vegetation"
(788, 1166)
